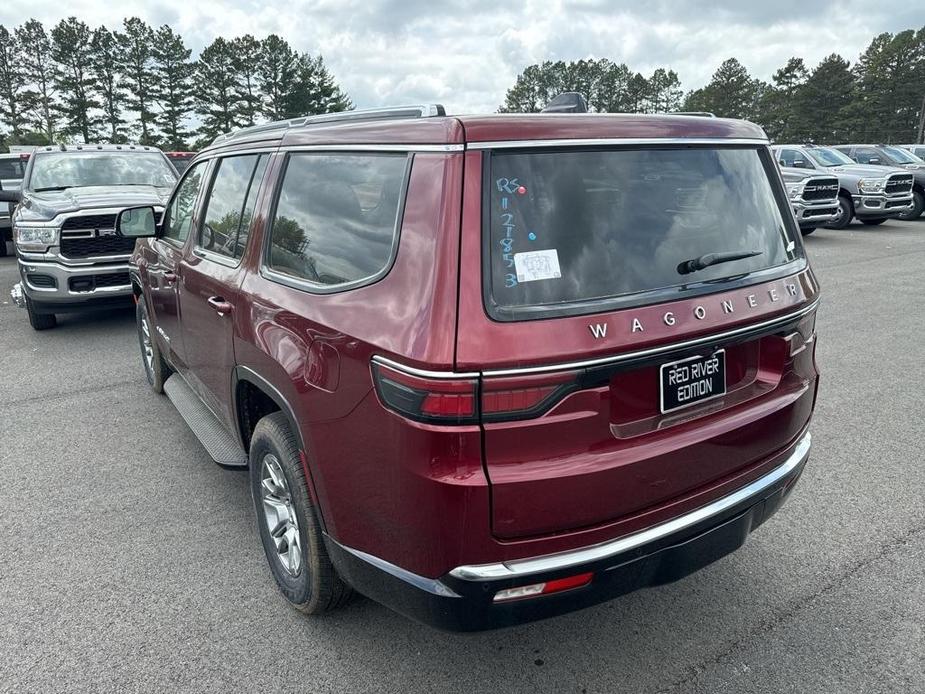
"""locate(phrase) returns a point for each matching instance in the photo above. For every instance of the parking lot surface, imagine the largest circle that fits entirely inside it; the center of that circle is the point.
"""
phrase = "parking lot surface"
(129, 561)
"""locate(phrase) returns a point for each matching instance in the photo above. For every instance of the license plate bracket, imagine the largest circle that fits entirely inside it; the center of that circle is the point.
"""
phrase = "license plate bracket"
(693, 380)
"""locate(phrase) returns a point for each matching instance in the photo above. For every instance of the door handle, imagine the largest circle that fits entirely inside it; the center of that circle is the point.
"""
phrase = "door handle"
(220, 305)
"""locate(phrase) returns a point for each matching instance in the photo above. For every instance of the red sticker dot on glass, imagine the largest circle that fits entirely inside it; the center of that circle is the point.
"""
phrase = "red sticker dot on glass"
(521, 190)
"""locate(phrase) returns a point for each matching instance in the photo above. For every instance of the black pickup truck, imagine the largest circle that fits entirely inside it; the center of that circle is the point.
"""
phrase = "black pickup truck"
(70, 257)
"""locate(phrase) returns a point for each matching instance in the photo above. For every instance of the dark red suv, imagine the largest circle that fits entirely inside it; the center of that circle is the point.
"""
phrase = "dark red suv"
(486, 369)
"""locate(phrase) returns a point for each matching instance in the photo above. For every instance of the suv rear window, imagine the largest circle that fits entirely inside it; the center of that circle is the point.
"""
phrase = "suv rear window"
(336, 219)
(579, 231)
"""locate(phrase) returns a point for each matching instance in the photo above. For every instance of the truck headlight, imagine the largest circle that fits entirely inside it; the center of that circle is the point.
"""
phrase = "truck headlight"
(872, 185)
(34, 238)
(795, 190)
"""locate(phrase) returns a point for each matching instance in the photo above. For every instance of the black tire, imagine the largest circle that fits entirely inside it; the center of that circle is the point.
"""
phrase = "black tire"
(845, 213)
(39, 321)
(806, 231)
(873, 222)
(918, 206)
(2, 246)
(315, 587)
(156, 369)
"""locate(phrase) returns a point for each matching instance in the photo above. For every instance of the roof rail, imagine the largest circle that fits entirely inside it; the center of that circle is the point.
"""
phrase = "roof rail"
(363, 114)
(702, 114)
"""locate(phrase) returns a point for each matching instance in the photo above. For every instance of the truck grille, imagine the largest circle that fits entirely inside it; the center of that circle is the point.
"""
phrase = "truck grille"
(821, 189)
(85, 236)
(87, 283)
(899, 184)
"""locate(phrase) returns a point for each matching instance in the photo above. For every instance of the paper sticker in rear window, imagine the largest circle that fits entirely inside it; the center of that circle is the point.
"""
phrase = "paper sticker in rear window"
(537, 265)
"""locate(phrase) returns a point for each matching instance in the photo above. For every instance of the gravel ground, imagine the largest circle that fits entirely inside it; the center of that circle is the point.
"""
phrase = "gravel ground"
(130, 562)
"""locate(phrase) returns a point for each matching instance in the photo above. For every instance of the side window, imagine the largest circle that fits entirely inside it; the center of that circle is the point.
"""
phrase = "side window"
(787, 157)
(179, 217)
(866, 155)
(336, 217)
(230, 208)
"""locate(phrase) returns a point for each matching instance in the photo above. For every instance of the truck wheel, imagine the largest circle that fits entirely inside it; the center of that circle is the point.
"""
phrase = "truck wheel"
(2, 246)
(156, 369)
(806, 231)
(918, 206)
(39, 321)
(873, 222)
(287, 520)
(845, 213)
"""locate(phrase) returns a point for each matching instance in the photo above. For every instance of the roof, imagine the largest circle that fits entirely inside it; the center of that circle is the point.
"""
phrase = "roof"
(97, 148)
(432, 128)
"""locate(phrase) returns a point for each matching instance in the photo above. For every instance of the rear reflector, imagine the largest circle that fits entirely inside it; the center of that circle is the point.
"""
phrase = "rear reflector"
(536, 589)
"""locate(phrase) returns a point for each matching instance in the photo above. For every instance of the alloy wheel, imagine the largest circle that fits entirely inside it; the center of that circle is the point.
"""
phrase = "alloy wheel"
(280, 515)
(147, 348)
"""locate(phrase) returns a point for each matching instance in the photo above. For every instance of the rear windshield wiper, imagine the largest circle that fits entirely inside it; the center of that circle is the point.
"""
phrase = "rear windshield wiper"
(695, 264)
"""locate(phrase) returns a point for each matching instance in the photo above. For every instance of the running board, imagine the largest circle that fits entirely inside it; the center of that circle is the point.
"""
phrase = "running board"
(214, 437)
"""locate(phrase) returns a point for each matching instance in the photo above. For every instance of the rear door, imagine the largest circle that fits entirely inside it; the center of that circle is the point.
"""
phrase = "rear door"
(617, 379)
(163, 261)
(212, 273)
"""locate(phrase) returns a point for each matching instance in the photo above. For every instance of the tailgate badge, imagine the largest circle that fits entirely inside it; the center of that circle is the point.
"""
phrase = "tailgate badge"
(599, 330)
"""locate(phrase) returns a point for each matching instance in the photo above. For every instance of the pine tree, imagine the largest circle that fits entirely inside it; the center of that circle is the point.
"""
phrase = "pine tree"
(105, 67)
(277, 69)
(70, 48)
(246, 61)
(664, 91)
(173, 73)
(637, 91)
(731, 93)
(825, 100)
(314, 90)
(136, 45)
(610, 93)
(12, 81)
(216, 90)
(41, 72)
(778, 109)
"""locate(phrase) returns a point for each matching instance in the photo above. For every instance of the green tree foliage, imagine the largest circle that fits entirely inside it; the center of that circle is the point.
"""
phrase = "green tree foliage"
(40, 71)
(136, 43)
(12, 82)
(779, 110)
(71, 49)
(246, 59)
(314, 90)
(173, 74)
(663, 91)
(825, 100)
(732, 93)
(275, 74)
(217, 90)
(104, 67)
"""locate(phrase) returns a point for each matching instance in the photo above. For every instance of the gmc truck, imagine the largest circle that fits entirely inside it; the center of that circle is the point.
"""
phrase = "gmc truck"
(70, 257)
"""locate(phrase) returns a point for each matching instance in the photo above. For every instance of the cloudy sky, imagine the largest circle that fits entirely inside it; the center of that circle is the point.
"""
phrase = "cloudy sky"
(466, 54)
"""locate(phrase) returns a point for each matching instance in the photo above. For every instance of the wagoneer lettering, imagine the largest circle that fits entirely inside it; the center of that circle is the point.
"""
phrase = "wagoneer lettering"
(452, 369)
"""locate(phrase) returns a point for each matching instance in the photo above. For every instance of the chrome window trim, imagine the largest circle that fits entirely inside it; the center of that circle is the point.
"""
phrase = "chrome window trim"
(654, 351)
(618, 141)
(215, 257)
(375, 148)
(423, 373)
(520, 568)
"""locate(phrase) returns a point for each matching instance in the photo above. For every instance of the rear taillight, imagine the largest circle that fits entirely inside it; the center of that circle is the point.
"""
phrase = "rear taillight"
(804, 334)
(424, 398)
(462, 399)
(522, 397)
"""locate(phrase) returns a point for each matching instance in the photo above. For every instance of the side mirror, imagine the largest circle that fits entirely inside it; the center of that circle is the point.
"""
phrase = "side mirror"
(10, 195)
(137, 223)
(874, 160)
(800, 164)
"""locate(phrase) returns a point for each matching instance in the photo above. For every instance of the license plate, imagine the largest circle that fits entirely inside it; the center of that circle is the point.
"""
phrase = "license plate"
(689, 381)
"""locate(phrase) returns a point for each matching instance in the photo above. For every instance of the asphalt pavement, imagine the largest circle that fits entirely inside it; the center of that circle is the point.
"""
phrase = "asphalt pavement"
(130, 562)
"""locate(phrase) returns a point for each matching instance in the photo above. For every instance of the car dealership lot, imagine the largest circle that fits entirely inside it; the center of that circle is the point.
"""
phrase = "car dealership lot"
(129, 560)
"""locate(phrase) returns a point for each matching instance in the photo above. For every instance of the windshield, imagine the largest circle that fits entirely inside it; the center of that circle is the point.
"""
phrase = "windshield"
(825, 156)
(12, 169)
(58, 170)
(570, 227)
(901, 156)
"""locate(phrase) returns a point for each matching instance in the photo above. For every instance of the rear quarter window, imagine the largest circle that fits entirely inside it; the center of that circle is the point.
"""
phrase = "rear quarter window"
(336, 219)
(579, 231)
